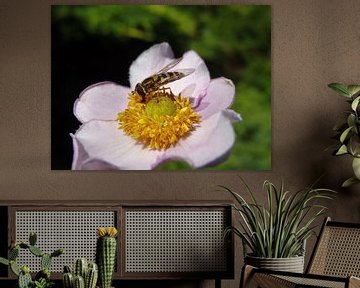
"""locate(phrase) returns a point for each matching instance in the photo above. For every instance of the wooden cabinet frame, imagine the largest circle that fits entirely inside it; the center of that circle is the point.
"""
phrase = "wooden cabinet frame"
(120, 209)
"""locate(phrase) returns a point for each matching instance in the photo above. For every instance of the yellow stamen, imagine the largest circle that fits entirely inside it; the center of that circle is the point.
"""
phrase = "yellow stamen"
(160, 122)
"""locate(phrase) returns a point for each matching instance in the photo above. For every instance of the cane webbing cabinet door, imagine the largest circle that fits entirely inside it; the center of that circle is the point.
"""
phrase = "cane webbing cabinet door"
(171, 240)
(176, 242)
(72, 228)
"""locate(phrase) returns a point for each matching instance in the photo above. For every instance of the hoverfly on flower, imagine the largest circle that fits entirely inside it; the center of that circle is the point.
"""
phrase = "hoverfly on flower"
(161, 78)
(142, 126)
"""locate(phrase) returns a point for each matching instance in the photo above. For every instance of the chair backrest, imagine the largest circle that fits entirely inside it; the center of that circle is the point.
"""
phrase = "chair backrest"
(337, 251)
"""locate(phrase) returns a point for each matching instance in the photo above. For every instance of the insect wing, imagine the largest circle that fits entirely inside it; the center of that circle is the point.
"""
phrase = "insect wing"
(162, 79)
(185, 72)
(172, 64)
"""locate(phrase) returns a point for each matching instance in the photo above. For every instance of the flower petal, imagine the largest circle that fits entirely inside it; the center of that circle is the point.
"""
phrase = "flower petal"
(95, 164)
(232, 115)
(103, 141)
(101, 101)
(211, 141)
(200, 77)
(149, 62)
(82, 161)
(220, 95)
(79, 155)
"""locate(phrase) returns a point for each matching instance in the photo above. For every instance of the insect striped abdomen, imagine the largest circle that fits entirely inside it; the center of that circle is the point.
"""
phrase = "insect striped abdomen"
(154, 82)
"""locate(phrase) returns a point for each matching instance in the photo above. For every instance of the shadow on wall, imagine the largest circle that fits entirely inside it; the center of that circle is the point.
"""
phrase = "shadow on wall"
(331, 171)
(310, 155)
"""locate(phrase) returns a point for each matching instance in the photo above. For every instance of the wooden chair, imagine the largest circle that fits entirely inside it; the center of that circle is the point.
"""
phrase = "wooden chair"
(335, 262)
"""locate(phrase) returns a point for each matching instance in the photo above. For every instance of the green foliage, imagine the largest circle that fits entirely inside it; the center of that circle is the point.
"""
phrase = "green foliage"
(45, 261)
(68, 280)
(173, 165)
(80, 267)
(36, 251)
(105, 259)
(57, 252)
(32, 239)
(79, 282)
(280, 229)
(91, 276)
(13, 253)
(234, 41)
(4, 261)
(25, 280)
(42, 278)
(43, 273)
(43, 283)
(349, 131)
(14, 268)
(85, 274)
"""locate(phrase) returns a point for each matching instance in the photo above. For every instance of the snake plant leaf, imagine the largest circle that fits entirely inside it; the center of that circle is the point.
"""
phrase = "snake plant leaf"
(340, 88)
(342, 150)
(355, 103)
(349, 182)
(280, 227)
(356, 167)
(353, 89)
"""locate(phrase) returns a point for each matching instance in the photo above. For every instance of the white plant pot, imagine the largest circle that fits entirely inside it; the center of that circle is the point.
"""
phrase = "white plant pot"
(291, 264)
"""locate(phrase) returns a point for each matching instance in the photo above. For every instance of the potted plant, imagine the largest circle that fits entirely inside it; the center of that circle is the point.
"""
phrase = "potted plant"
(42, 278)
(84, 274)
(87, 274)
(348, 132)
(276, 233)
(106, 254)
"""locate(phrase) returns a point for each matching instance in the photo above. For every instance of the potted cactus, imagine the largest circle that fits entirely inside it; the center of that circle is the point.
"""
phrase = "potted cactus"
(84, 275)
(106, 254)
(42, 278)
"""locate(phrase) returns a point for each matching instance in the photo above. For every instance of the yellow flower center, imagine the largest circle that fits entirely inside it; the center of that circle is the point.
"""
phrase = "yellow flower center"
(161, 121)
(156, 108)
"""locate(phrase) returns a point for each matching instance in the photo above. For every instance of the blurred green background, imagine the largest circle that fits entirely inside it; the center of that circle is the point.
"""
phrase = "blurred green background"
(98, 43)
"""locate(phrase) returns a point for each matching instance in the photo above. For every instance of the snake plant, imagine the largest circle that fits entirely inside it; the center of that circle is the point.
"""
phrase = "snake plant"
(279, 228)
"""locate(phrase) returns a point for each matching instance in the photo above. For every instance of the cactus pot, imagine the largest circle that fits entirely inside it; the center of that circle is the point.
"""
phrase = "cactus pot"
(291, 264)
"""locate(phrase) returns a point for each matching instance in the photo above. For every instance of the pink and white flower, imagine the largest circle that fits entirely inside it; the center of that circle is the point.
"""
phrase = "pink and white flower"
(100, 144)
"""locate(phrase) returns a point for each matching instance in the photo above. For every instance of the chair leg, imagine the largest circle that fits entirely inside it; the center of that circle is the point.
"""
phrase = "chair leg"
(246, 273)
(217, 283)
